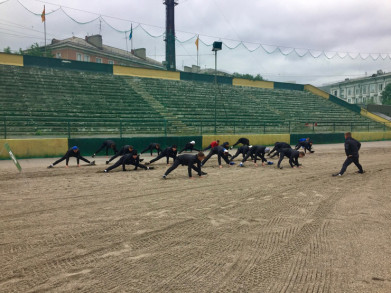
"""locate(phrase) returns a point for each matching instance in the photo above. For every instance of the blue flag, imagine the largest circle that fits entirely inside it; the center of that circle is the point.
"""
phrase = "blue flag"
(131, 32)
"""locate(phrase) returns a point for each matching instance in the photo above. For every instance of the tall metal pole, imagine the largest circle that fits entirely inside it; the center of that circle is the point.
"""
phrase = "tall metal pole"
(170, 34)
(215, 92)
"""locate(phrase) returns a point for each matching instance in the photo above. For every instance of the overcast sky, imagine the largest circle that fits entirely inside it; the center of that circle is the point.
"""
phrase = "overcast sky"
(335, 27)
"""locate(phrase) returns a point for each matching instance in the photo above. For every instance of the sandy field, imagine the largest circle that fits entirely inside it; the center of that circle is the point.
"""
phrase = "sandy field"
(251, 229)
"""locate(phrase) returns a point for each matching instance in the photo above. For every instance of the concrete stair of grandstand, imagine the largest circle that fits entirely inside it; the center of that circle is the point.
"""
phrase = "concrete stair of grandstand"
(143, 104)
(176, 125)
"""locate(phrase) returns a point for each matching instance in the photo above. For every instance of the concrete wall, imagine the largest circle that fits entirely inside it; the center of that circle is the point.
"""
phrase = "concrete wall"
(255, 139)
(33, 148)
(142, 72)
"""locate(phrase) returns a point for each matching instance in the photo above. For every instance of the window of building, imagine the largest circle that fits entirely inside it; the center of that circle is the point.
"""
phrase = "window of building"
(87, 58)
(349, 100)
(335, 93)
(350, 91)
(365, 89)
(358, 90)
(380, 87)
(78, 56)
(111, 62)
(98, 60)
(58, 55)
(372, 88)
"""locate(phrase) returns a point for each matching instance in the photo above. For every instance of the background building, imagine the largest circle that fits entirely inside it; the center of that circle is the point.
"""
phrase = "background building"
(366, 90)
(92, 49)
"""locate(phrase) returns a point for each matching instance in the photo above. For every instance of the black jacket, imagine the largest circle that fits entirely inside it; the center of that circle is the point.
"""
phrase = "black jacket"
(256, 150)
(293, 156)
(189, 160)
(352, 147)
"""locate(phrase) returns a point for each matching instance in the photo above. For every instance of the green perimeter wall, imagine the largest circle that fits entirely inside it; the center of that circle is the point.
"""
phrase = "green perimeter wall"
(56, 147)
(89, 145)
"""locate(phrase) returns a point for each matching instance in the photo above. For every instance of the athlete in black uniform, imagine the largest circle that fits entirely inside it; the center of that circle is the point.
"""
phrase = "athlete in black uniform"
(293, 156)
(151, 147)
(108, 144)
(72, 152)
(126, 149)
(189, 161)
(277, 147)
(169, 152)
(306, 144)
(352, 147)
(254, 152)
(189, 147)
(221, 152)
(243, 141)
(128, 159)
(242, 150)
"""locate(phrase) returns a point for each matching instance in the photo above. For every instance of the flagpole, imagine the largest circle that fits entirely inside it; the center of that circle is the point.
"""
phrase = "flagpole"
(131, 40)
(44, 26)
(198, 40)
(126, 38)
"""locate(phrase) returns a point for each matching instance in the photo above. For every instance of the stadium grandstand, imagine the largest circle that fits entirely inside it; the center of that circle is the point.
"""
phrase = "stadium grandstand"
(47, 97)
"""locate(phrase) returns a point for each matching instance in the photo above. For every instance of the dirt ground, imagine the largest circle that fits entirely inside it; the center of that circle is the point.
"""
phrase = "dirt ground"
(251, 229)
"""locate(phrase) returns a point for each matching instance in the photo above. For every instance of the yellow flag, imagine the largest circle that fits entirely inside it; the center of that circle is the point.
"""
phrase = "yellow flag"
(43, 14)
(196, 42)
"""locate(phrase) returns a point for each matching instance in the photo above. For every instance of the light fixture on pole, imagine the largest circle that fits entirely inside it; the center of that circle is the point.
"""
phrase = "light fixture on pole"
(216, 47)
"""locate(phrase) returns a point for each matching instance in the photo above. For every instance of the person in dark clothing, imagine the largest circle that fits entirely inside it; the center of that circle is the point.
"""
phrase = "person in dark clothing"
(225, 145)
(169, 152)
(242, 150)
(254, 152)
(352, 147)
(128, 159)
(72, 152)
(212, 145)
(306, 144)
(189, 147)
(293, 156)
(151, 147)
(126, 149)
(243, 141)
(220, 152)
(277, 147)
(108, 144)
(189, 161)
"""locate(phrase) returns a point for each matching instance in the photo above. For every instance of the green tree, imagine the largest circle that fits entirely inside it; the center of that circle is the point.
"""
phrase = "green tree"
(8, 50)
(36, 50)
(247, 76)
(386, 95)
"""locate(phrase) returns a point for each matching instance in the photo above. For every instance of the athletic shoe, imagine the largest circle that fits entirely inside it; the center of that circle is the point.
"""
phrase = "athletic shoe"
(232, 163)
(141, 160)
(231, 147)
(147, 163)
(204, 173)
(50, 166)
(105, 171)
(241, 164)
(107, 162)
(92, 163)
(336, 174)
(312, 152)
(93, 155)
(164, 177)
(358, 172)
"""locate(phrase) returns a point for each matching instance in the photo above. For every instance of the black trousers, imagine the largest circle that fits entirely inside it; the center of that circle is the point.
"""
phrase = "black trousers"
(348, 161)
(175, 165)
(159, 157)
(67, 160)
(189, 149)
(107, 149)
(151, 149)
